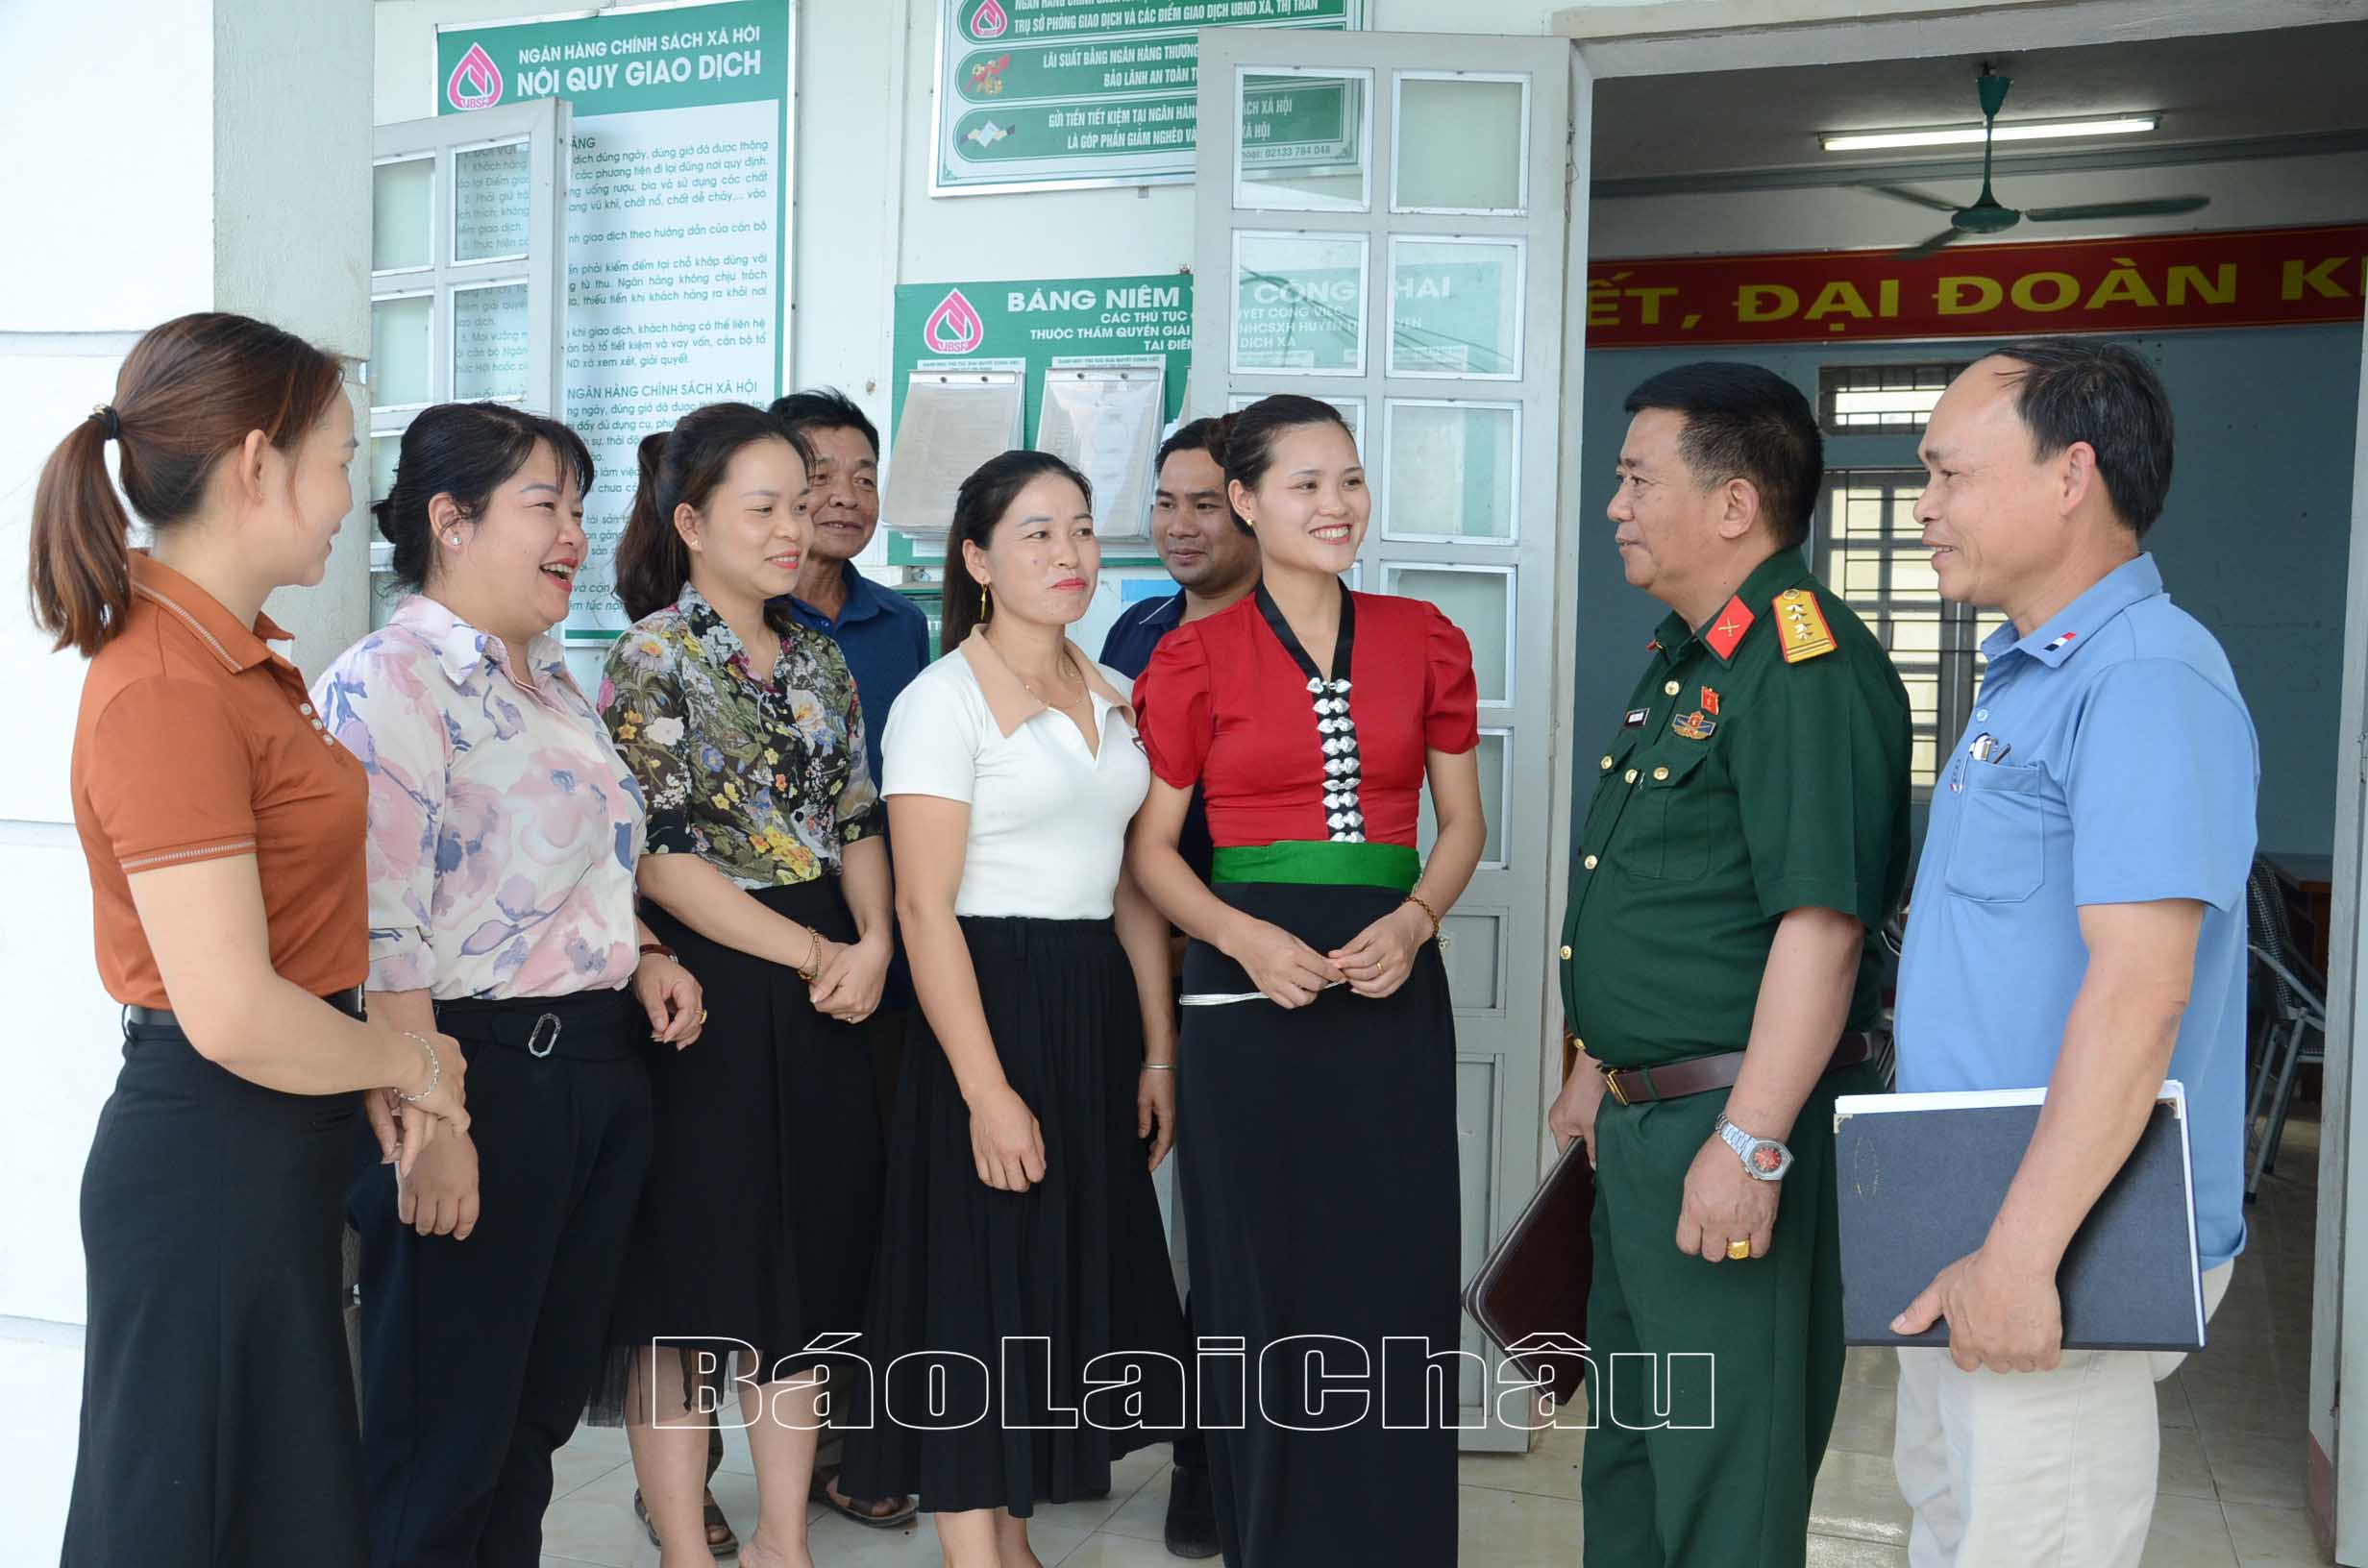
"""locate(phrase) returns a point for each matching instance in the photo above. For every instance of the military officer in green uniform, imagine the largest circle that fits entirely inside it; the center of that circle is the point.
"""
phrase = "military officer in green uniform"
(1748, 830)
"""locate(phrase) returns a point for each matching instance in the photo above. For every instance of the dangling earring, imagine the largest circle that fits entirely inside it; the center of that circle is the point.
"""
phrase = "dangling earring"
(986, 602)
(1251, 523)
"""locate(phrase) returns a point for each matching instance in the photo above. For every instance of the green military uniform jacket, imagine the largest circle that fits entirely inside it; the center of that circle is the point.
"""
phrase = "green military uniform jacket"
(1761, 767)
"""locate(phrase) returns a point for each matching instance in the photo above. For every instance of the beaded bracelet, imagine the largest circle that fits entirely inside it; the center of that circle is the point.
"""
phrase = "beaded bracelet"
(435, 1071)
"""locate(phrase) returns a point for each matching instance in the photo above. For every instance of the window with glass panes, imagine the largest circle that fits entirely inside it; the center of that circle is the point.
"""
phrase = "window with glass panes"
(1869, 550)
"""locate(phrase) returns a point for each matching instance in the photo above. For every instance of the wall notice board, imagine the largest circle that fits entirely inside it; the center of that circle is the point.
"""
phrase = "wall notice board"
(1082, 335)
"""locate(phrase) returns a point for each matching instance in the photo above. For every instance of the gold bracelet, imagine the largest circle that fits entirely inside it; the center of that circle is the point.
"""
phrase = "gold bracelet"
(1416, 899)
(812, 966)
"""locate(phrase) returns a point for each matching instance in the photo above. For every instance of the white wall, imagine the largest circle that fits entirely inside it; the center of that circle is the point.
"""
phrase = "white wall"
(178, 163)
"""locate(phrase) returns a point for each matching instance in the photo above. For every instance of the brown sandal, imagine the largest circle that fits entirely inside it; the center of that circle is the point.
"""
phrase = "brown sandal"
(853, 1508)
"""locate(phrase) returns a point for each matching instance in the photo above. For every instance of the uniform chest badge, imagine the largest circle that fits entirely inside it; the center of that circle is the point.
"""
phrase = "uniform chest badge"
(1636, 718)
(1692, 726)
(1709, 702)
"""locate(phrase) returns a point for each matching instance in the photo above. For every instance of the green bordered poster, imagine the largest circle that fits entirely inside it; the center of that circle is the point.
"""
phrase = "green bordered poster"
(677, 230)
(1033, 326)
(1066, 93)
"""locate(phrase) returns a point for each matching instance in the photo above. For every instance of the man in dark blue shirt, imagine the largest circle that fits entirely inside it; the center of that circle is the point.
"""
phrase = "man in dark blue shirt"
(884, 635)
(1214, 560)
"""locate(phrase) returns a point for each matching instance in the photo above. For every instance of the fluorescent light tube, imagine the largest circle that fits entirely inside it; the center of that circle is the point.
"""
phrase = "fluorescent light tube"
(1859, 142)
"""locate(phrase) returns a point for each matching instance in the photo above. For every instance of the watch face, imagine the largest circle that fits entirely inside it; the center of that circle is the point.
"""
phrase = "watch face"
(1768, 1160)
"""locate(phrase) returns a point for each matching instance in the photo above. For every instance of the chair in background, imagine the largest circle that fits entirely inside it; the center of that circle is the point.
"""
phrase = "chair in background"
(2293, 1018)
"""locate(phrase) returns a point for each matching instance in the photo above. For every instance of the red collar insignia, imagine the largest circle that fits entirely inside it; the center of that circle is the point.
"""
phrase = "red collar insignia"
(1727, 628)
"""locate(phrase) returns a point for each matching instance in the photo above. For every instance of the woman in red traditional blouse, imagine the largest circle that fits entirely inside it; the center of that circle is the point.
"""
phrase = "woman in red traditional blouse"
(1311, 717)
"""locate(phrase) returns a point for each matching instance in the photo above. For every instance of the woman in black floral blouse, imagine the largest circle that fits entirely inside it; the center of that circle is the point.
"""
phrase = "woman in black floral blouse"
(763, 871)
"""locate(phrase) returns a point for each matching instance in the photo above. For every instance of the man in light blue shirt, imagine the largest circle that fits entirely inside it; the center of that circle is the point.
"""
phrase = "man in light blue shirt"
(2079, 923)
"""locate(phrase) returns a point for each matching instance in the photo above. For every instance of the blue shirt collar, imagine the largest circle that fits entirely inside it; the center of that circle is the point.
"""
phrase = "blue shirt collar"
(865, 598)
(2075, 626)
(1170, 610)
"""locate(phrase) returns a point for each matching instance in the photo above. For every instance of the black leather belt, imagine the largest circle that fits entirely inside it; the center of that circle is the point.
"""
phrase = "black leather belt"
(347, 1002)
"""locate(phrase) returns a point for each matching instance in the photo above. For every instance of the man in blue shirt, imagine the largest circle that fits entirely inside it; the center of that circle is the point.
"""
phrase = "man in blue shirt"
(884, 635)
(2078, 923)
(1213, 558)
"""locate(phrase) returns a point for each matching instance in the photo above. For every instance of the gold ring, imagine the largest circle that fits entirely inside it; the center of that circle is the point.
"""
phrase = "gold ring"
(702, 1014)
(1739, 1250)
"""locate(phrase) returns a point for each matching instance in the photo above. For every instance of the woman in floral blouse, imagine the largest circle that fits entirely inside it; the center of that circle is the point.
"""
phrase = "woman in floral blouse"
(764, 872)
(503, 834)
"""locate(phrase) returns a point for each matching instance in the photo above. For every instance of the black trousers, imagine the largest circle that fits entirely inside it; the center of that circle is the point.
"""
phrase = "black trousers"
(217, 1418)
(478, 1355)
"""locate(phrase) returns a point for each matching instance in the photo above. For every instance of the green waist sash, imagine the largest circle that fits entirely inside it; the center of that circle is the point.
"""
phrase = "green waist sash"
(1320, 861)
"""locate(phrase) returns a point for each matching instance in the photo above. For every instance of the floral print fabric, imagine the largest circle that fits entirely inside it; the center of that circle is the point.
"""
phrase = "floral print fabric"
(763, 778)
(504, 825)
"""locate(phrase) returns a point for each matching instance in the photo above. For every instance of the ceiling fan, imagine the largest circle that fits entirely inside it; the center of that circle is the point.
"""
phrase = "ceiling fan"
(1988, 216)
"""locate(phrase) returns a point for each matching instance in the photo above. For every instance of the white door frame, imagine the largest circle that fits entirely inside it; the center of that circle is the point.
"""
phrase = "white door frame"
(1731, 34)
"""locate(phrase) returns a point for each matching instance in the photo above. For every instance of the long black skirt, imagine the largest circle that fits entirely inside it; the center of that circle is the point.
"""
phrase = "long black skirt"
(217, 1425)
(1002, 1299)
(1321, 1198)
(755, 1240)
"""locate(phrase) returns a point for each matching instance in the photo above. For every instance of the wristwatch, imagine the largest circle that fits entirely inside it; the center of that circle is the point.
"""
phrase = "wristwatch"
(1765, 1159)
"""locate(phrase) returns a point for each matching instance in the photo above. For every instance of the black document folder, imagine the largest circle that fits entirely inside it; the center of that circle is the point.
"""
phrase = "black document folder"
(1920, 1178)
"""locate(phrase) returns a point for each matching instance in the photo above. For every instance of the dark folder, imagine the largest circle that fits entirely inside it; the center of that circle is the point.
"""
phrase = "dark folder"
(1920, 1177)
(1531, 1294)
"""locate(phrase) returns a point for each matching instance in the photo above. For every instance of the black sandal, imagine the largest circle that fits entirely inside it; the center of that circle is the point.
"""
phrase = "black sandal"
(728, 1546)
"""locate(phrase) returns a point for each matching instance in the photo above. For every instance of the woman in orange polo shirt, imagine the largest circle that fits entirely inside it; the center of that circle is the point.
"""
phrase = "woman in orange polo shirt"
(223, 827)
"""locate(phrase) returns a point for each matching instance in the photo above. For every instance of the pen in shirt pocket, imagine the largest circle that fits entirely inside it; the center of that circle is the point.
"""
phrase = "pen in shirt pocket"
(1988, 747)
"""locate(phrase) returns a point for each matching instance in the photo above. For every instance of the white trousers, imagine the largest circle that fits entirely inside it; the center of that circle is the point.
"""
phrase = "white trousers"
(2032, 1469)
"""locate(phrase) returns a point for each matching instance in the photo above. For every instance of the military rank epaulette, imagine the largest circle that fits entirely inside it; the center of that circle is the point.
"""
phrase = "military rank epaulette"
(1800, 625)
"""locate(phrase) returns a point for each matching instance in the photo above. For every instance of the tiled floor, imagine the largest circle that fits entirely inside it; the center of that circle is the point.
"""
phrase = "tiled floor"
(2234, 1439)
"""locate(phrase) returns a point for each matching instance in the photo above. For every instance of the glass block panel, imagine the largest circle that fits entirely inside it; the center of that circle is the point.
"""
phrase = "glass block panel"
(1461, 144)
(1299, 303)
(400, 368)
(1455, 307)
(403, 214)
(1352, 411)
(489, 342)
(1481, 605)
(1302, 147)
(1453, 469)
(383, 450)
(492, 196)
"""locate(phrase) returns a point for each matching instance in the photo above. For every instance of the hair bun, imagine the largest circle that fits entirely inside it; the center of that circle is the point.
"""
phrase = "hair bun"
(1221, 436)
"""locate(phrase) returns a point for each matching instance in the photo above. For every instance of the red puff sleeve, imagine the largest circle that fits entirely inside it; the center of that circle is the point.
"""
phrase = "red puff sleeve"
(1172, 713)
(1450, 695)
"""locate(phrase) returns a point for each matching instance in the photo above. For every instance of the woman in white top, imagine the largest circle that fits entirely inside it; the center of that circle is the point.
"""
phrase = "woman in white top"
(1021, 1238)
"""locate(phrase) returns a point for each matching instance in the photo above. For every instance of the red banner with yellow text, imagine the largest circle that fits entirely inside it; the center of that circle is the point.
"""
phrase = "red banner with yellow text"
(2159, 282)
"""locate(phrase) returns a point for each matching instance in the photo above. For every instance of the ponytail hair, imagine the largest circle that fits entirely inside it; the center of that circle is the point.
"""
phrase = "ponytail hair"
(187, 396)
(977, 507)
(681, 467)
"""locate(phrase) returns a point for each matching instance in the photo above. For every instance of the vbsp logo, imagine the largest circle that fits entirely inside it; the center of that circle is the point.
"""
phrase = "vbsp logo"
(953, 326)
(988, 21)
(476, 83)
